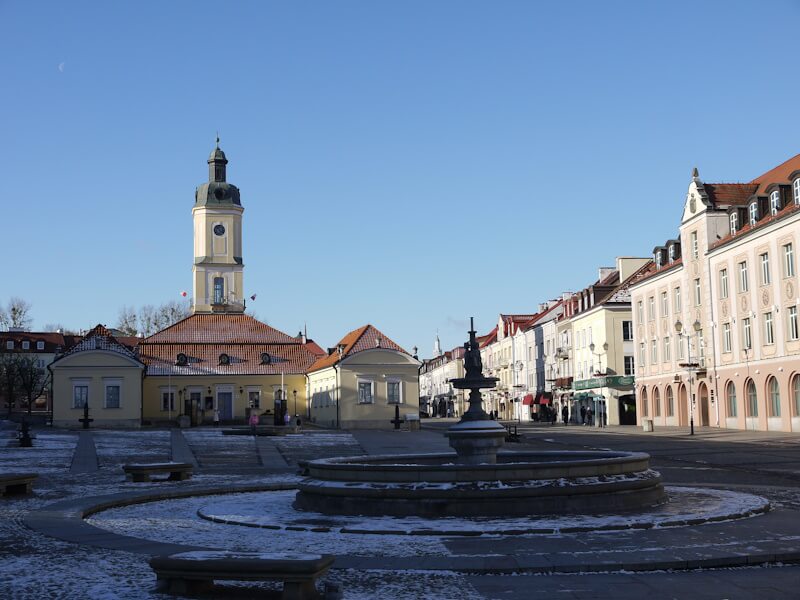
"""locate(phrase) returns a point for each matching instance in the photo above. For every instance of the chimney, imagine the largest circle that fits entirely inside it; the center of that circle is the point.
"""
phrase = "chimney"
(604, 272)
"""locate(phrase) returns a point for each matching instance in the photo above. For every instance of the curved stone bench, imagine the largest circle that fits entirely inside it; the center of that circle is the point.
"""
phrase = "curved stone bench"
(195, 572)
(142, 472)
(17, 483)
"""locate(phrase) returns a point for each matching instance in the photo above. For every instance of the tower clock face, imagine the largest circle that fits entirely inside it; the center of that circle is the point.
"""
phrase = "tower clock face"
(219, 230)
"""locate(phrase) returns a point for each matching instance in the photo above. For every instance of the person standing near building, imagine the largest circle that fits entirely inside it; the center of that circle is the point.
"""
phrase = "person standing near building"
(565, 414)
(216, 417)
(583, 415)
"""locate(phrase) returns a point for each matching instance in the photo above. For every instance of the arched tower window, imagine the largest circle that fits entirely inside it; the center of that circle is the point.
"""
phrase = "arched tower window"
(219, 290)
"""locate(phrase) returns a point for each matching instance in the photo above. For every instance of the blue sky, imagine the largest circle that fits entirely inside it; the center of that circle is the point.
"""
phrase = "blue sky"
(406, 164)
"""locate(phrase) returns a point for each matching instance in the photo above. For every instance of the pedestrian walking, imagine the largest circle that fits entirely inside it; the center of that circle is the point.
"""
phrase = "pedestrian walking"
(583, 415)
(216, 417)
(589, 415)
(253, 422)
(565, 414)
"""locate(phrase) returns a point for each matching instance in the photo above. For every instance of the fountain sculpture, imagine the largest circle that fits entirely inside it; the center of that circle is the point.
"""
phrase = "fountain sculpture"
(477, 480)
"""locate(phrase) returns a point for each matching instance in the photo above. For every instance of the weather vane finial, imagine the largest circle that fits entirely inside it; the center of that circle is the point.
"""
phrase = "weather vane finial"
(217, 139)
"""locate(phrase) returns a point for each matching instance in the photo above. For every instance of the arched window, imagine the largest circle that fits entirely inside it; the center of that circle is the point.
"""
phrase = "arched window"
(796, 391)
(752, 399)
(670, 402)
(219, 290)
(796, 187)
(734, 223)
(774, 202)
(644, 402)
(774, 397)
(656, 402)
(730, 393)
(753, 213)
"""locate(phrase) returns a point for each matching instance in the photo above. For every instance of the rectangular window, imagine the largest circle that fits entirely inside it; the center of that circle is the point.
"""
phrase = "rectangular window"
(167, 400)
(678, 347)
(664, 304)
(677, 302)
(640, 311)
(769, 334)
(695, 248)
(627, 331)
(630, 369)
(723, 283)
(641, 353)
(10, 345)
(788, 259)
(113, 394)
(26, 345)
(80, 395)
(744, 284)
(793, 332)
(726, 337)
(697, 292)
(666, 349)
(365, 395)
(40, 345)
(651, 308)
(254, 398)
(747, 334)
(766, 279)
(653, 352)
(393, 392)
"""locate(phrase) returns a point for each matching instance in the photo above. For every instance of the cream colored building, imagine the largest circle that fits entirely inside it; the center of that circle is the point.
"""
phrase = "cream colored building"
(103, 374)
(602, 350)
(361, 381)
(729, 282)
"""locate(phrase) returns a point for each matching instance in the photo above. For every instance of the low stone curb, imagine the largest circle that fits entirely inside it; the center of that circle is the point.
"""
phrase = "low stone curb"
(65, 520)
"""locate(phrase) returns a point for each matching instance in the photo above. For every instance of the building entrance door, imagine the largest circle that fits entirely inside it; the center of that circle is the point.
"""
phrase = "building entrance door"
(225, 405)
(703, 405)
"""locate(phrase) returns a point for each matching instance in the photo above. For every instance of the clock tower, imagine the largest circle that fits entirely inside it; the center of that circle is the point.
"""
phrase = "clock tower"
(218, 269)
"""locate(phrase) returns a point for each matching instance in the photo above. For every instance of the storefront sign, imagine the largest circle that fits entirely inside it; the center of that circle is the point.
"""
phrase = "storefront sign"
(613, 381)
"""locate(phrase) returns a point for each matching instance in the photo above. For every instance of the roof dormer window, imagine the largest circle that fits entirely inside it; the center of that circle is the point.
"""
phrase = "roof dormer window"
(224, 359)
(10, 345)
(26, 345)
(40, 345)
(658, 260)
(753, 213)
(734, 222)
(181, 360)
(796, 187)
(671, 251)
(774, 202)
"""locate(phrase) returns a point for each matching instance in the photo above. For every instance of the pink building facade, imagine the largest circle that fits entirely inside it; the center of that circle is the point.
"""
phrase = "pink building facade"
(716, 316)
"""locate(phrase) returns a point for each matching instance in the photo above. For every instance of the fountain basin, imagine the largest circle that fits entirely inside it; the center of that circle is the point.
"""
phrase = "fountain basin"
(518, 484)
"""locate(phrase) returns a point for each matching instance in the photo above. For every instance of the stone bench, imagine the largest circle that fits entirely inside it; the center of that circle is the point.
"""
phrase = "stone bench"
(194, 572)
(142, 472)
(16, 483)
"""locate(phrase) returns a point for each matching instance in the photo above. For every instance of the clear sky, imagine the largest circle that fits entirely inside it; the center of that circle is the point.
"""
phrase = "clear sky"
(407, 164)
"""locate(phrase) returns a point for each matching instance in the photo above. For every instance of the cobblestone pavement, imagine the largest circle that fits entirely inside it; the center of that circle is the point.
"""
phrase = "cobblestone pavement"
(33, 565)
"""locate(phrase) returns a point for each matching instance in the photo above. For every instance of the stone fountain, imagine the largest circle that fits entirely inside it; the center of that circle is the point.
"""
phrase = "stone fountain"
(477, 481)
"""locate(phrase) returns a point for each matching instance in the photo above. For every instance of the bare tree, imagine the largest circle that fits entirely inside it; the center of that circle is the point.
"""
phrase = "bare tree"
(150, 319)
(128, 321)
(33, 379)
(16, 314)
(9, 379)
(58, 328)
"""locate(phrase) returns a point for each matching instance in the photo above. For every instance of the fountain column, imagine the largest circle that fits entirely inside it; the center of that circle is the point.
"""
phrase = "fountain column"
(476, 438)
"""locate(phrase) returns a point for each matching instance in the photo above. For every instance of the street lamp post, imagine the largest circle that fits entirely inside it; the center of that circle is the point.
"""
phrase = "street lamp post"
(294, 393)
(689, 366)
(601, 415)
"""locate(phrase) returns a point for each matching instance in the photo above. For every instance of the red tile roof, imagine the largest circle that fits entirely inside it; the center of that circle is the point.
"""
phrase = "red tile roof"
(779, 174)
(314, 348)
(203, 338)
(358, 340)
(100, 338)
(729, 194)
(485, 340)
(226, 328)
(244, 359)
